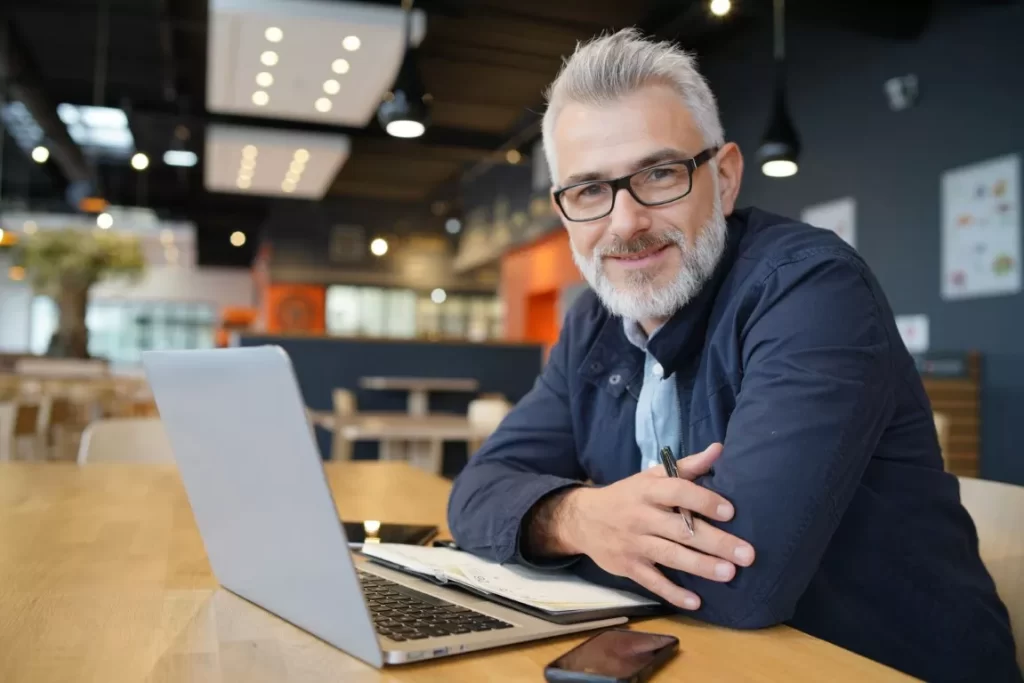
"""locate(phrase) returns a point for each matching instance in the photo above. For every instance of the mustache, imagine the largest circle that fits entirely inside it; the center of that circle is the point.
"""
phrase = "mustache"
(621, 247)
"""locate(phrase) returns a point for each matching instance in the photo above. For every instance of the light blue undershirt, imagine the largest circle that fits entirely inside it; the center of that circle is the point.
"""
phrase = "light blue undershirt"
(658, 418)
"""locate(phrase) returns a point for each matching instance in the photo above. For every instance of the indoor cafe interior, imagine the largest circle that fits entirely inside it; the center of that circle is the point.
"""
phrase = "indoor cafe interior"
(363, 184)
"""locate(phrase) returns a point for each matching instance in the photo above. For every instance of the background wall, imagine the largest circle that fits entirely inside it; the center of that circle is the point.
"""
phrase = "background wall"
(971, 108)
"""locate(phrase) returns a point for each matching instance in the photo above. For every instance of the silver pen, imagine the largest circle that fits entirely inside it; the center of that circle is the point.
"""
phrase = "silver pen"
(669, 461)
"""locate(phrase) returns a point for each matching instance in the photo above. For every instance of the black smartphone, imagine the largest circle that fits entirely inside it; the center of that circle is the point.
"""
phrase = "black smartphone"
(613, 656)
(371, 531)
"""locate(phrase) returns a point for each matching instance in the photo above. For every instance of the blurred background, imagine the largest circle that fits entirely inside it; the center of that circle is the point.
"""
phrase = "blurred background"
(362, 183)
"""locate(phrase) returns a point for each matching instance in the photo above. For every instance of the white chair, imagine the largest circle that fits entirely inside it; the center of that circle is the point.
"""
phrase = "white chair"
(485, 414)
(344, 406)
(136, 440)
(998, 513)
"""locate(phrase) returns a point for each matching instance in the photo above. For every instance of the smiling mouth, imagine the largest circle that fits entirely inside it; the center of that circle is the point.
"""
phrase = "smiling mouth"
(640, 255)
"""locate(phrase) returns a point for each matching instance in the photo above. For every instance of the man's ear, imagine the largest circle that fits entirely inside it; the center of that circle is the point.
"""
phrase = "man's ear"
(730, 175)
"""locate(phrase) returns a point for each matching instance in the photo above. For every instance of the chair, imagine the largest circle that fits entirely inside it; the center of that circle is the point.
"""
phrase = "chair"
(344, 406)
(998, 513)
(485, 414)
(139, 440)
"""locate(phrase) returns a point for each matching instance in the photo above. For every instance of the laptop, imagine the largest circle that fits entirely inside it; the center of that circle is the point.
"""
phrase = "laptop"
(247, 456)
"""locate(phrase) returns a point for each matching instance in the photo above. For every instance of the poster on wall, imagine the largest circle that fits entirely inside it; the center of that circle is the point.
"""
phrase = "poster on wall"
(914, 332)
(839, 216)
(981, 230)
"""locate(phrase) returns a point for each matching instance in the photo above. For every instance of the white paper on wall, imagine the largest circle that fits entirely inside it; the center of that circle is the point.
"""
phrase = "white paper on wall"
(839, 216)
(914, 331)
(981, 229)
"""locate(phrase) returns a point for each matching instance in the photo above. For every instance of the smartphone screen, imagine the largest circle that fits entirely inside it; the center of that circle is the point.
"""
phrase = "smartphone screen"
(617, 654)
(370, 531)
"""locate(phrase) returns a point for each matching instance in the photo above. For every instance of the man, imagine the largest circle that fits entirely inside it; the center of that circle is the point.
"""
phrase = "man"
(762, 345)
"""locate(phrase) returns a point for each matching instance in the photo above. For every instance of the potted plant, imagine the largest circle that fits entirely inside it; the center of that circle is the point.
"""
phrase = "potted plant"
(64, 265)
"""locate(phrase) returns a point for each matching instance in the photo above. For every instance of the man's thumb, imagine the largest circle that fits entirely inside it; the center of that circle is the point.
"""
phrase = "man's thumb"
(699, 464)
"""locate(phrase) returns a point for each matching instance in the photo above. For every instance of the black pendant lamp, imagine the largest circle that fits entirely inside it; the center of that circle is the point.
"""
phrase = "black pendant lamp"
(780, 146)
(405, 111)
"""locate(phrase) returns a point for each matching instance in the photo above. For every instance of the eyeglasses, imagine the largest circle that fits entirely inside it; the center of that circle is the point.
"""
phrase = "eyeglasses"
(655, 185)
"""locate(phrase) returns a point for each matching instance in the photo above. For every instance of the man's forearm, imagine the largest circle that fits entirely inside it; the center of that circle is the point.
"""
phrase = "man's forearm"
(549, 527)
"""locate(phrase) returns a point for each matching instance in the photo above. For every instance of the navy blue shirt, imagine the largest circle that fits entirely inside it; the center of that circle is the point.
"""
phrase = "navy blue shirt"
(790, 357)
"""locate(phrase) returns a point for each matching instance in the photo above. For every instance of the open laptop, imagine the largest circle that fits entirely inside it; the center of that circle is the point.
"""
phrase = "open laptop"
(246, 454)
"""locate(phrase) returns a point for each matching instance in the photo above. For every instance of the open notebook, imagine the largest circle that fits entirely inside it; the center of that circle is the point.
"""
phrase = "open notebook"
(549, 593)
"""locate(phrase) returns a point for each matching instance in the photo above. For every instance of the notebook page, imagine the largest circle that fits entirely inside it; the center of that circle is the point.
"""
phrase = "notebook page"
(551, 591)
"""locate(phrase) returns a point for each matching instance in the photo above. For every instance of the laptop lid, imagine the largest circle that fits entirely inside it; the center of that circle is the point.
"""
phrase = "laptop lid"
(238, 428)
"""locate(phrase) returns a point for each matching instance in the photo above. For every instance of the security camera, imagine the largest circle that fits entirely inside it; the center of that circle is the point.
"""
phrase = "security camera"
(901, 92)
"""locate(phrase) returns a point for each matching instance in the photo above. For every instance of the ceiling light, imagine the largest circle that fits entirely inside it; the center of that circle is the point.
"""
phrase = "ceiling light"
(264, 79)
(301, 155)
(379, 246)
(405, 129)
(104, 221)
(296, 166)
(405, 113)
(323, 105)
(273, 34)
(340, 66)
(244, 182)
(288, 186)
(438, 296)
(453, 226)
(40, 154)
(237, 238)
(351, 43)
(780, 145)
(140, 162)
(180, 157)
(250, 151)
(247, 166)
(291, 177)
(513, 156)
(260, 98)
(720, 7)
(269, 58)
(331, 86)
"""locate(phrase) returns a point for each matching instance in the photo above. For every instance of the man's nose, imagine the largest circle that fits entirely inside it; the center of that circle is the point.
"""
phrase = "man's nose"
(629, 217)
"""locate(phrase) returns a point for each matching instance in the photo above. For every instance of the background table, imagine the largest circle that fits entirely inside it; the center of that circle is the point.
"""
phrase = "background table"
(103, 577)
(419, 388)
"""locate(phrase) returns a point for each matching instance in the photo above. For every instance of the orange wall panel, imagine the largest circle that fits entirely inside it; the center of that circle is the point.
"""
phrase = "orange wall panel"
(543, 268)
(295, 308)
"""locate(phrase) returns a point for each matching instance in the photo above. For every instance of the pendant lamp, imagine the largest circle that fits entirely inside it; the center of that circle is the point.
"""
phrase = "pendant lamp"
(780, 147)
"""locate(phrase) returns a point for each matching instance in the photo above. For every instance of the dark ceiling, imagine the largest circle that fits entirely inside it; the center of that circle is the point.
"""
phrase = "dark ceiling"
(485, 63)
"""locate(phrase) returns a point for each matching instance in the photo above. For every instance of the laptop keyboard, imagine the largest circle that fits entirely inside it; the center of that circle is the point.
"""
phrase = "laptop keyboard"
(402, 613)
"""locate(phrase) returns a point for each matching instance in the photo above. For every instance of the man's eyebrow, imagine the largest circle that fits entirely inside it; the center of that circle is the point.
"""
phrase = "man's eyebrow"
(664, 154)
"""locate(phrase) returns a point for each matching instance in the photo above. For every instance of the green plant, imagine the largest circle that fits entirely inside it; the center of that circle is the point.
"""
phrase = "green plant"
(65, 264)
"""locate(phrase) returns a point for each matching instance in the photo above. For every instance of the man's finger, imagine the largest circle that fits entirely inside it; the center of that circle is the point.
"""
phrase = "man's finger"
(672, 493)
(674, 556)
(707, 538)
(653, 580)
(692, 466)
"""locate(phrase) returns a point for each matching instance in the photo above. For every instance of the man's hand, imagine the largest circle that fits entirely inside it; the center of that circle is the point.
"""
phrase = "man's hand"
(628, 527)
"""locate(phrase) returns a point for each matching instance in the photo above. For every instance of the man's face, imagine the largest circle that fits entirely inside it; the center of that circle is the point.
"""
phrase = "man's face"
(644, 262)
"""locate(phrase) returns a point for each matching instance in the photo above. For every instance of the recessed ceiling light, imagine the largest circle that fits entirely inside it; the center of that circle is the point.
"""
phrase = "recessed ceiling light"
(260, 98)
(180, 157)
(340, 66)
(250, 151)
(291, 177)
(264, 79)
(244, 182)
(323, 105)
(104, 221)
(406, 129)
(273, 34)
(296, 166)
(351, 43)
(379, 246)
(140, 162)
(288, 186)
(40, 154)
(237, 238)
(301, 155)
(248, 163)
(269, 58)
(331, 86)
(438, 296)
(720, 7)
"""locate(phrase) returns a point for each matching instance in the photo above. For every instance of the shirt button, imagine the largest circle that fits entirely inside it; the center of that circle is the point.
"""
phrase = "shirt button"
(658, 371)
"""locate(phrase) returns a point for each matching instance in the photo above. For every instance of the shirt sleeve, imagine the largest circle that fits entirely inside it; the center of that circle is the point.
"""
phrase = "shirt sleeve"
(813, 401)
(531, 454)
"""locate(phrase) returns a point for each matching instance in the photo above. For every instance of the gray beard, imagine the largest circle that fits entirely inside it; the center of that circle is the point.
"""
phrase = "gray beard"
(638, 298)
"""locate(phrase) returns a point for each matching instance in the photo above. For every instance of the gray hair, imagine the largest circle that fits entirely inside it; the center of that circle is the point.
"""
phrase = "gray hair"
(611, 66)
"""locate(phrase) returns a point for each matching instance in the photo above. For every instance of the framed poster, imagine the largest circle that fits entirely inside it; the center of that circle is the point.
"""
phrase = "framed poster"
(981, 229)
(839, 216)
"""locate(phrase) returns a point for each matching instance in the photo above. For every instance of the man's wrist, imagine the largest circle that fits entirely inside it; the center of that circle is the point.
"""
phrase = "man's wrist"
(552, 525)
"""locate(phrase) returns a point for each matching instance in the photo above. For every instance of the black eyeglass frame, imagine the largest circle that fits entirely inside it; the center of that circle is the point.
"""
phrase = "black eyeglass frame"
(623, 183)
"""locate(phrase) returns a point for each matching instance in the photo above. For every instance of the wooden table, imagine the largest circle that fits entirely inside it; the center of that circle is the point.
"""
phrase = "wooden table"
(419, 388)
(103, 578)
